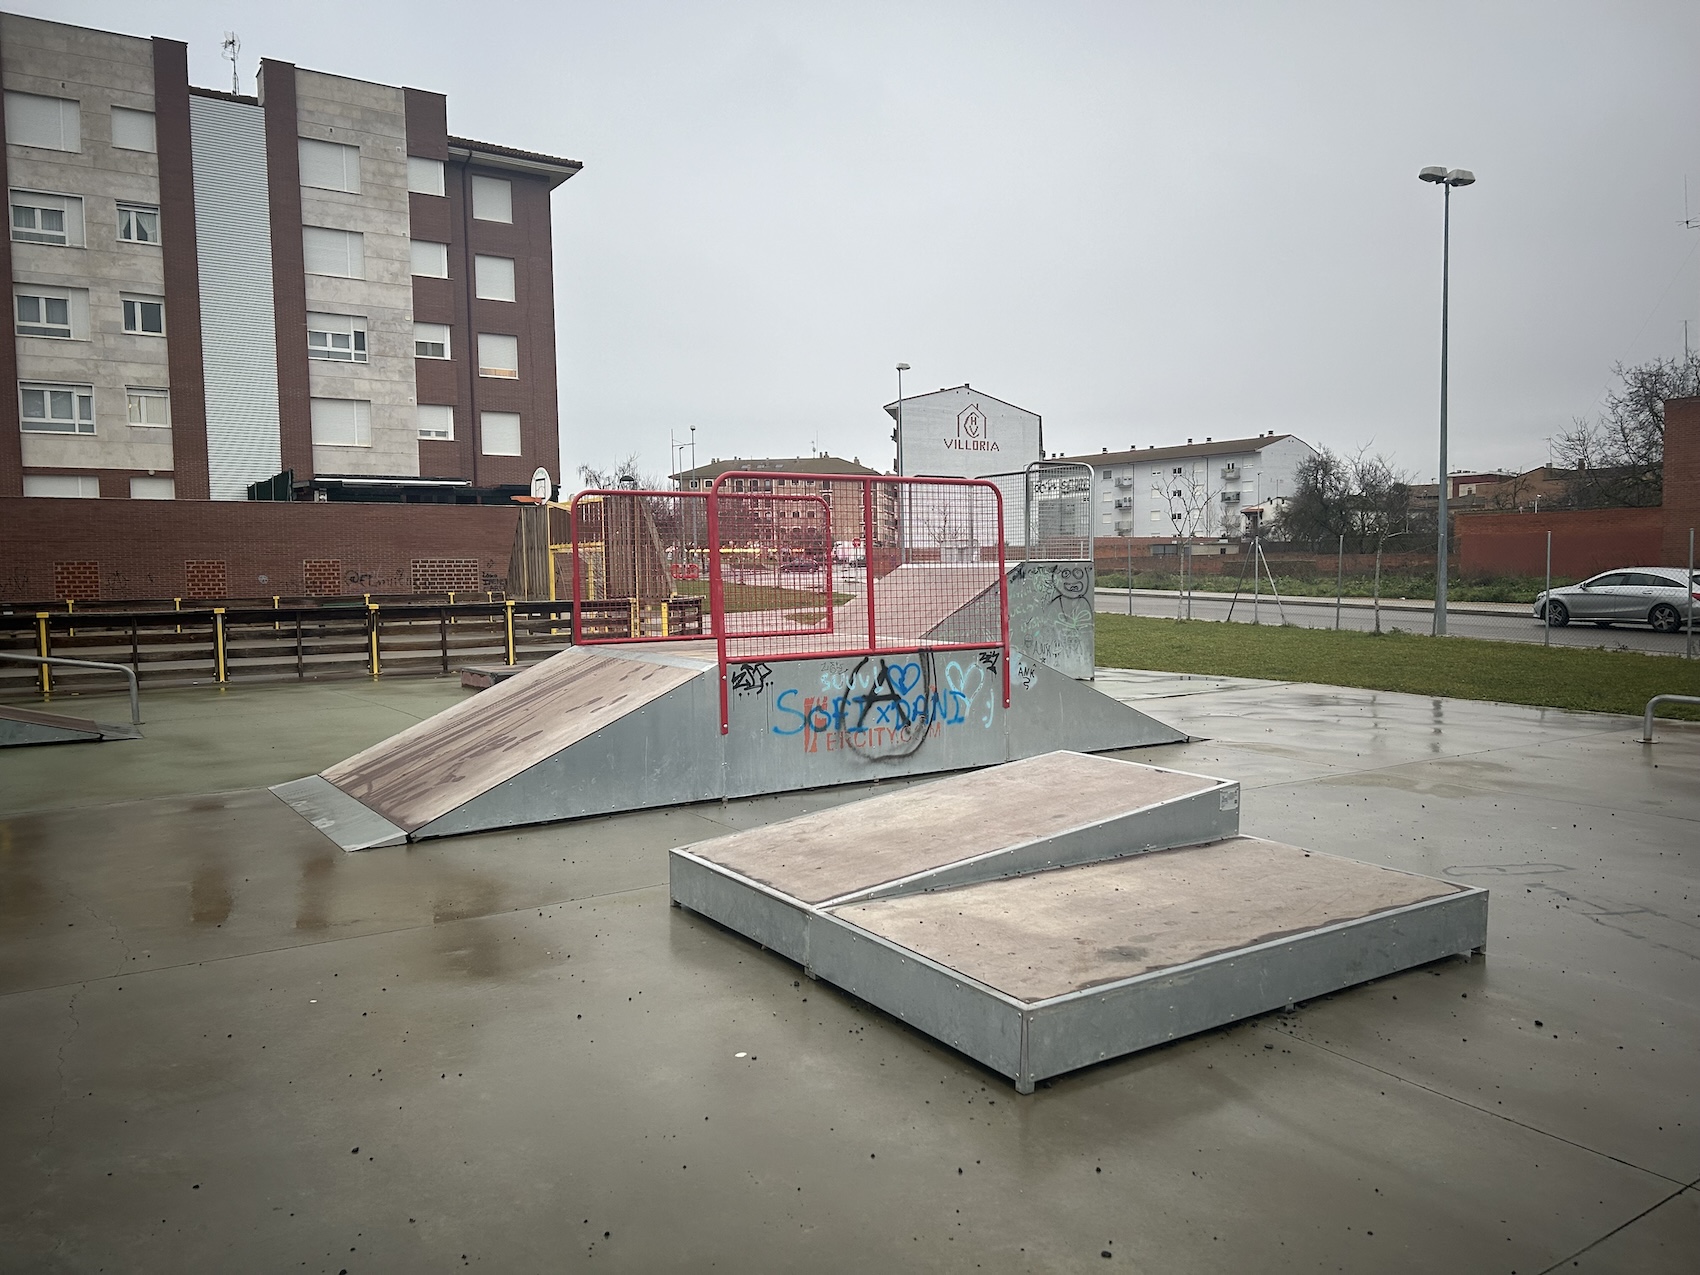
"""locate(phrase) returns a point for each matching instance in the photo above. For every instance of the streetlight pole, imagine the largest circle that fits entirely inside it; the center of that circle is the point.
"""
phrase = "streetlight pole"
(1447, 179)
(903, 508)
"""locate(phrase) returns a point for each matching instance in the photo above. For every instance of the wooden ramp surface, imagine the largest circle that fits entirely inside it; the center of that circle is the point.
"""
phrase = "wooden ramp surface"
(444, 761)
(1062, 931)
(831, 853)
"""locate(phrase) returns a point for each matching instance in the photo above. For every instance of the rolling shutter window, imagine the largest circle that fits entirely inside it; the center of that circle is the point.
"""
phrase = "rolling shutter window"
(430, 260)
(330, 166)
(424, 176)
(501, 433)
(498, 355)
(132, 130)
(436, 420)
(53, 123)
(70, 486)
(492, 199)
(334, 252)
(153, 488)
(342, 422)
(494, 278)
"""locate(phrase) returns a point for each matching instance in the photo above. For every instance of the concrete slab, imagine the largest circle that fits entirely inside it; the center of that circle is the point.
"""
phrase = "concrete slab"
(505, 1127)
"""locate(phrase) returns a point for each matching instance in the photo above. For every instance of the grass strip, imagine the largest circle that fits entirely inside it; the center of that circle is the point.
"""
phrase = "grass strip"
(1460, 668)
(758, 597)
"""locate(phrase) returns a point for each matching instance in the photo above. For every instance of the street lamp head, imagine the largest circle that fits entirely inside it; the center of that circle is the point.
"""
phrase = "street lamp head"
(904, 367)
(1433, 173)
(1460, 177)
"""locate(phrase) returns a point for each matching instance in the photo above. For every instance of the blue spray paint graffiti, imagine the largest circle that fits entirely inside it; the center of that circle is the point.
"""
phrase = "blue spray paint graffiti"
(886, 702)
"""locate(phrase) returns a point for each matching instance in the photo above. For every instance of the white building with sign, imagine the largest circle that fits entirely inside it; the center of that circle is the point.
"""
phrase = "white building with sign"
(963, 432)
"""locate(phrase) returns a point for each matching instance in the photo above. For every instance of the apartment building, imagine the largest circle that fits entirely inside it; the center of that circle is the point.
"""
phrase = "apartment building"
(313, 293)
(1195, 489)
(807, 476)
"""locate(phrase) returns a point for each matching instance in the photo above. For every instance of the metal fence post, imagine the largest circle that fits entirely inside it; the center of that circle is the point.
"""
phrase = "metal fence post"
(372, 632)
(220, 659)
(1130, 575)
(1339, 581)
(1688, 642)
(1546, 607)
(43, 647)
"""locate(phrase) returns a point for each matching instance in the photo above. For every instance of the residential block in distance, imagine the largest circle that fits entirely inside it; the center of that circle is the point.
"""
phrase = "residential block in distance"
(315, 292)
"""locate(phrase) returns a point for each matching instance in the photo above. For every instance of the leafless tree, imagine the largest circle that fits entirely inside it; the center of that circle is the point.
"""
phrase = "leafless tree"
(1619, 458)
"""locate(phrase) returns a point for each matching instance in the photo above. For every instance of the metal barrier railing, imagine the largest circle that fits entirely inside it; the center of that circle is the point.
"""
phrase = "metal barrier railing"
(1647, 719)
(44, 660)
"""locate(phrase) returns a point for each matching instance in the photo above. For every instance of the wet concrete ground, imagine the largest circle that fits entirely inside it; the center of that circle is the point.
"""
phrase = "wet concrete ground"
(226, 1045)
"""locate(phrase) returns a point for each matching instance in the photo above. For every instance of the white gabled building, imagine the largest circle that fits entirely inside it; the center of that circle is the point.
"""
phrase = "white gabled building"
(1136, 491)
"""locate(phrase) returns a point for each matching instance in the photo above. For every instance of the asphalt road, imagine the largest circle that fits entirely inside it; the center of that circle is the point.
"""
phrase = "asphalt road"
(1501, 624)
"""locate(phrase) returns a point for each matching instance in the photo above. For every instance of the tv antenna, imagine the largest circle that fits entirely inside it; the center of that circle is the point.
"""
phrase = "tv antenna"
(232, 46)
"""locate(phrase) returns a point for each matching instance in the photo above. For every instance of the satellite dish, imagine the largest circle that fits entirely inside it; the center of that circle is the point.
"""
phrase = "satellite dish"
(541, 485)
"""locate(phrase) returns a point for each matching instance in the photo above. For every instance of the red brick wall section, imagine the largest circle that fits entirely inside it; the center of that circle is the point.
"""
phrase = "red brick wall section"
(204, 580)
(321, 577)
(441, 575)
(76, 581)
(289, 265)
(179, 254)
(1682, 477)
(142, 545)
(1584, 541)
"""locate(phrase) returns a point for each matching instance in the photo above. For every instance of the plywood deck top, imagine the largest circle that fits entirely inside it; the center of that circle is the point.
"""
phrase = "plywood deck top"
(446, 760)
(1072, 928)
(917, 597)
(833, 852)
(35, 717)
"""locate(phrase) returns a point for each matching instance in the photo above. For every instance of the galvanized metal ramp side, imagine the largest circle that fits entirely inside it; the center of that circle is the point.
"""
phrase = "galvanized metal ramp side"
(441, 763)
(334, 813)
(1087, 963)
(20, 727)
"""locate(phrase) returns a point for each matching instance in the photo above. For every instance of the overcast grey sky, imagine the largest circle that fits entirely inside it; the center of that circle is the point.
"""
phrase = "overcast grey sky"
(1146, 222)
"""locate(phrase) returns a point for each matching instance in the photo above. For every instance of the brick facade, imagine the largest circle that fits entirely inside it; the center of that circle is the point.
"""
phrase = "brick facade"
(76, 580)
(1682, 477)
(206, 579)
(443, 575)
(1584, 541)
(143, 547)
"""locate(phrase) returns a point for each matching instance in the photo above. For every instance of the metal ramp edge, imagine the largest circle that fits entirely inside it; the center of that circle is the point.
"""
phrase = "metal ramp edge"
(22, 727)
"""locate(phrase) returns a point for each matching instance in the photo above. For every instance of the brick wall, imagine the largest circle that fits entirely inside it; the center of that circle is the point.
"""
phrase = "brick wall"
(1584, 541)
(1682, 477)
(142, 549)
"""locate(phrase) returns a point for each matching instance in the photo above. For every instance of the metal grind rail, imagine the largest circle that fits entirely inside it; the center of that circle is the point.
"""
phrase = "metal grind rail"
(46, 660)
(1652, 704)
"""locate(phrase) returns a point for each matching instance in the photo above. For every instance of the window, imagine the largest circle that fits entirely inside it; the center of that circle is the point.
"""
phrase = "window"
(431, 340)
(138, 223)
(330, 166)
(430, 259)
(340, 337)
(493, 278)
(153, 488)
(132, 130)
(335, 252)
(492, 199)
(144, 316)
(342, 422)
(1156, 515)
(53, 123)
(38, 217)
(67, 486)
(424, 176)
(498, 355)
(148, 407)
(47, 311)
(501, 433)
(56, 409)
(436, 420)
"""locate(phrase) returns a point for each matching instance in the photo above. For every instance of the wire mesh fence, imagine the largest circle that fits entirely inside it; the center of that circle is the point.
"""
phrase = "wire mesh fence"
(1047, 510)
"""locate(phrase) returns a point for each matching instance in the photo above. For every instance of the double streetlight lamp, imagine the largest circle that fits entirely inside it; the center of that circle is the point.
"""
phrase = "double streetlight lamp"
(1446, 179)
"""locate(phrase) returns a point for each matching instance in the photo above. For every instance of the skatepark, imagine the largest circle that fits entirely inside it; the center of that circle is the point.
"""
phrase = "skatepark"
(489, 1036)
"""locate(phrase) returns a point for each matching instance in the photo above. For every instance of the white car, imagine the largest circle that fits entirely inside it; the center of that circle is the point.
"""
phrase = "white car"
(1660, 596)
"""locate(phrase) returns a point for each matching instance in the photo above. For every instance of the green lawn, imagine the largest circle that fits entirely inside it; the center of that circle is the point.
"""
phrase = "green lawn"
(1322, 585)
(758, 597)
(1464, 668)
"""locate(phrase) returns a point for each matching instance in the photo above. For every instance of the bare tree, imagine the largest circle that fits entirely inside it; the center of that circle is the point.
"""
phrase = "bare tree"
(1619, 459)
(1361, 497)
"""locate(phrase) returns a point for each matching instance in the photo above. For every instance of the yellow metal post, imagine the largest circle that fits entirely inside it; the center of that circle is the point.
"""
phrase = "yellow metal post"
(509, 604)
(632, 625)
(666, 631)
(219, 656)
(177, 605)
(42, 647)
(372, 632)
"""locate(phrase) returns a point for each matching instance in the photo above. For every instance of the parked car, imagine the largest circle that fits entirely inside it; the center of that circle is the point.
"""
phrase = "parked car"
(802, 564)
(1659, 596)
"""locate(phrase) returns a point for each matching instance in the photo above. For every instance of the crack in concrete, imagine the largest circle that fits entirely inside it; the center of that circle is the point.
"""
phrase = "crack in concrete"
(1651, 1208)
